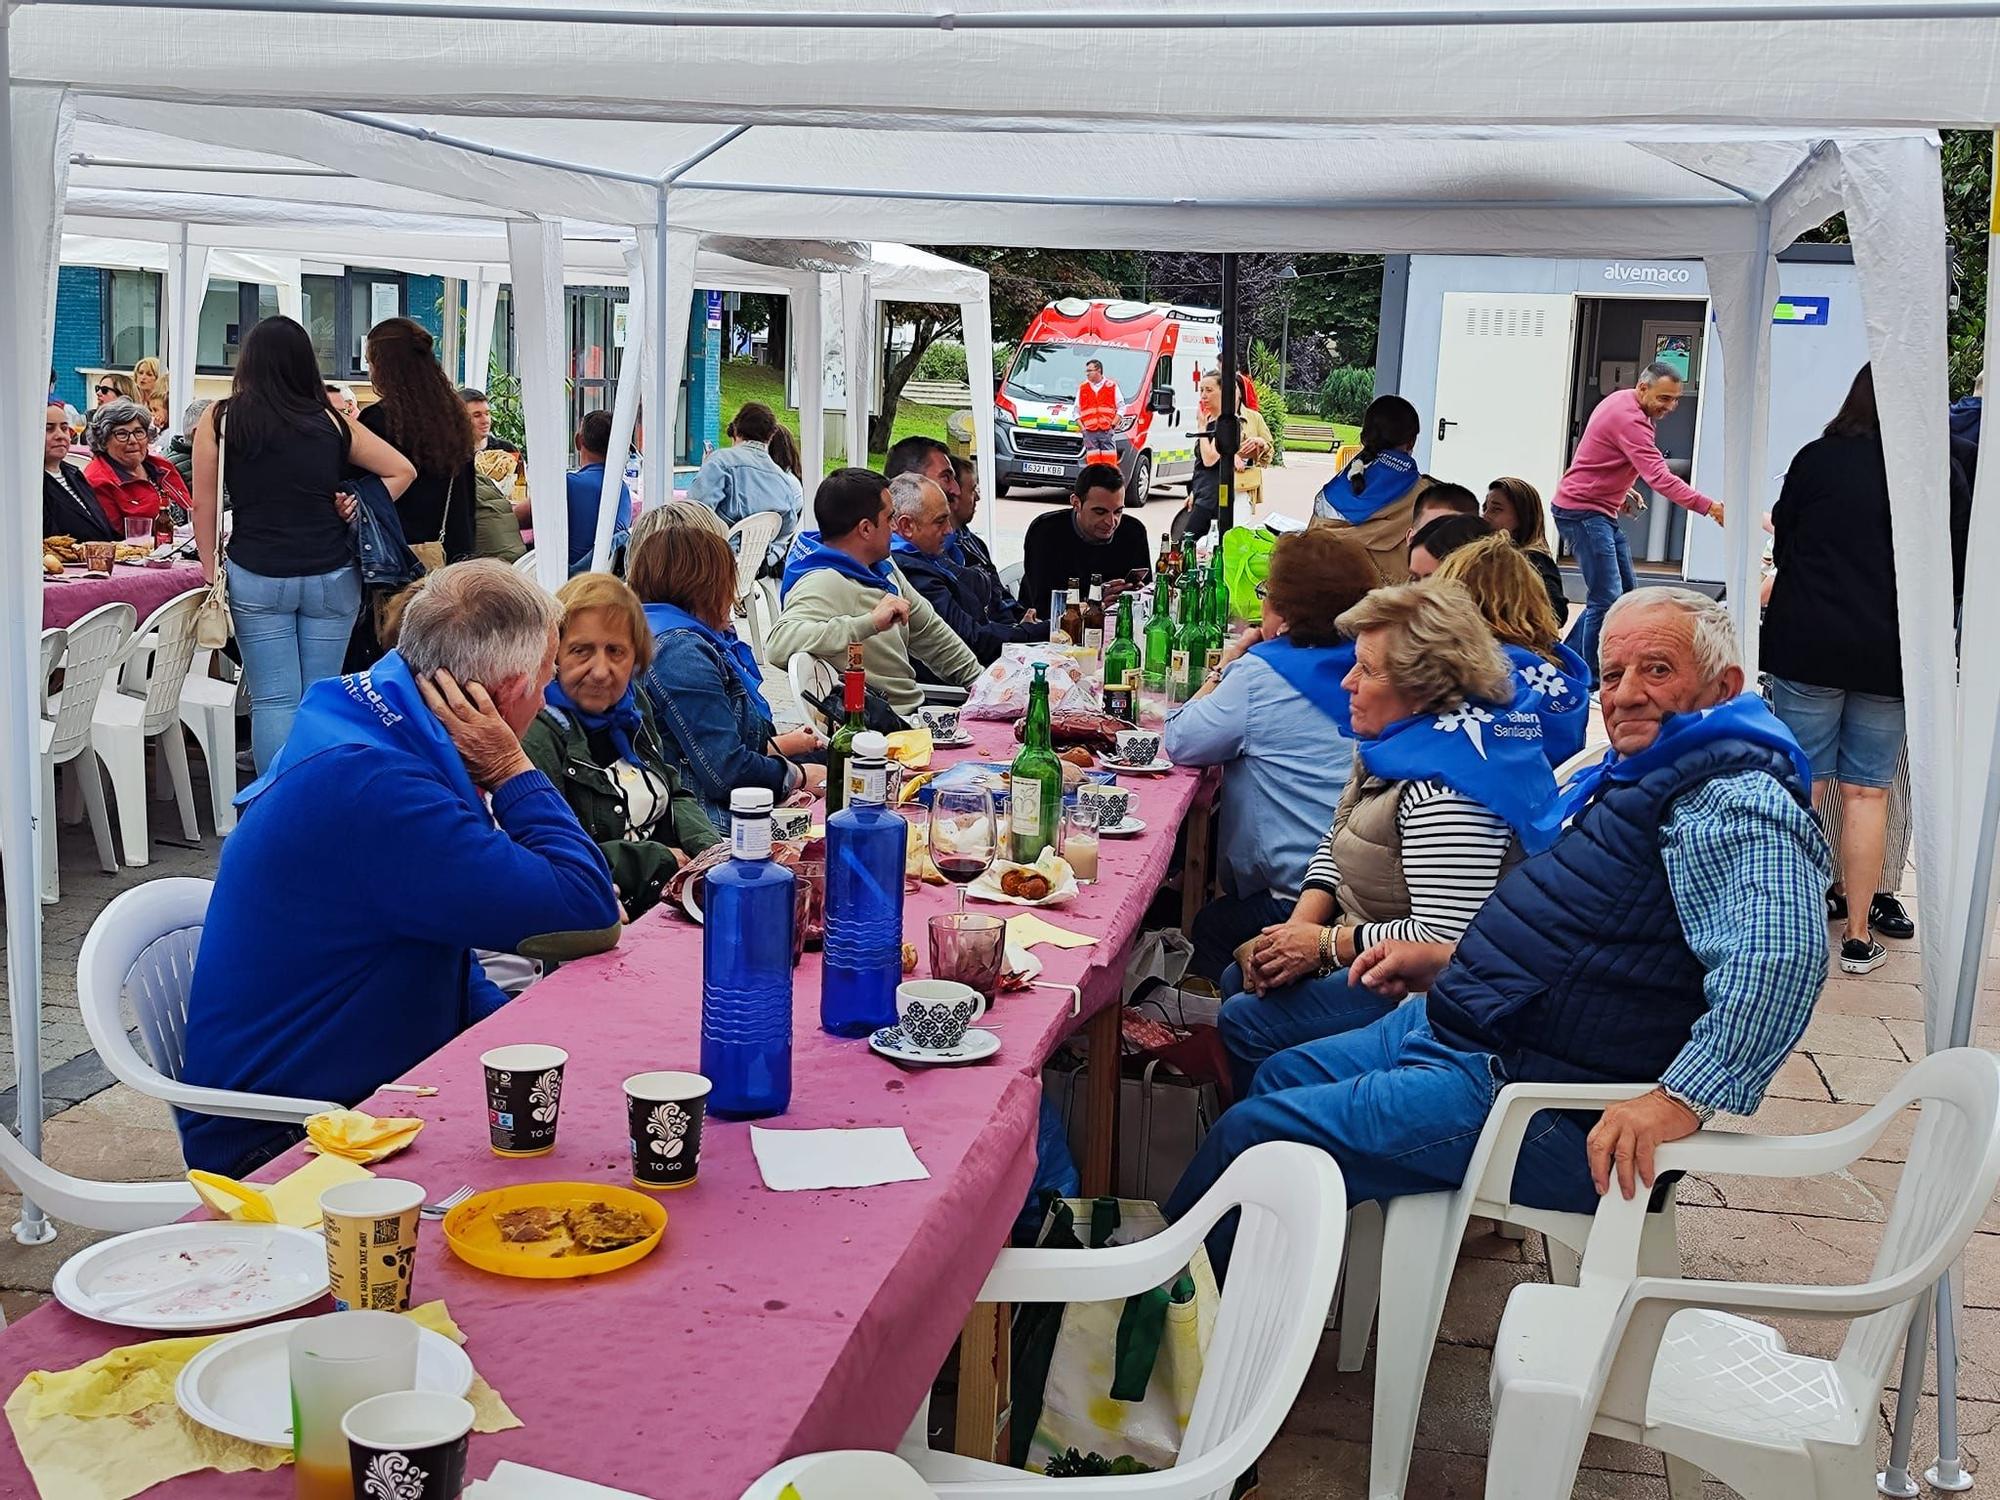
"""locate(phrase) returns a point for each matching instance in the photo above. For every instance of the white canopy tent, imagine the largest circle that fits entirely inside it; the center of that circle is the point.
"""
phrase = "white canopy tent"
(1660, 127)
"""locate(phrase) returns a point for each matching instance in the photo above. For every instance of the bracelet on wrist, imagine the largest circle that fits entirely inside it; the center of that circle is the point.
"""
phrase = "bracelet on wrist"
(1329, 957)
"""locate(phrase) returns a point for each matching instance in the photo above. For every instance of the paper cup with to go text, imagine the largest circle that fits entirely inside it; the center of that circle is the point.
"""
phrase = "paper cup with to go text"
(371, 1242)
(665, 1111)
(523, 1097)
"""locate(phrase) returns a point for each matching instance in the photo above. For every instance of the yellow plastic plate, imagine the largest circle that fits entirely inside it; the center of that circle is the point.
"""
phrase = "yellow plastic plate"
(474, 1235)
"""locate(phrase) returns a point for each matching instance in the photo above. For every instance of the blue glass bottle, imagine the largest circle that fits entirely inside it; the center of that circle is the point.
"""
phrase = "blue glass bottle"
(746, 969)
(865, 850)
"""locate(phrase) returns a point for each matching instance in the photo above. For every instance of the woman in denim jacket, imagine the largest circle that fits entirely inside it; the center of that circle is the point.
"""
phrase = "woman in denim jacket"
(704, 687)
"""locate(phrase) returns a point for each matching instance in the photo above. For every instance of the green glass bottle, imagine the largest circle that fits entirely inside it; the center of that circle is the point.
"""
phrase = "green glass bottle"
(1122, 655)
(854, 698)
(1159, 635)
(1218, 600)
(1196, 642)
(1035, 786)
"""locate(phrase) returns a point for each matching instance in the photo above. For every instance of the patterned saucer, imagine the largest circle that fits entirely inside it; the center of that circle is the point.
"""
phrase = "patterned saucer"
(978, 1044)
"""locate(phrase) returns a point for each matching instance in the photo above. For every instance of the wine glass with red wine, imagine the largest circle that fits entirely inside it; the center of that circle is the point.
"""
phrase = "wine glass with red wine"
(962, 835)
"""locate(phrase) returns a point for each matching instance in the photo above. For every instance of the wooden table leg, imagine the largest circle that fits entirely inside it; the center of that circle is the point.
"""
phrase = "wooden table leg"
(1194, 871)
(1100, 1144)
(983, 1378)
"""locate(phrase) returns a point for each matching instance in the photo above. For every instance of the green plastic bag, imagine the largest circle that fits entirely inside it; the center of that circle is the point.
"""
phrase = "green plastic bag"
(1246, 562)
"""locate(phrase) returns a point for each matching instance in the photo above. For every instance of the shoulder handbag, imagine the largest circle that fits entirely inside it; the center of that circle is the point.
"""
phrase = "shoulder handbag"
(211, 620)
(431, 554)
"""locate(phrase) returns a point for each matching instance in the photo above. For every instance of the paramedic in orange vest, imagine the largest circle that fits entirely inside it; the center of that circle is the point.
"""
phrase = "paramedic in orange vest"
(1097, 404)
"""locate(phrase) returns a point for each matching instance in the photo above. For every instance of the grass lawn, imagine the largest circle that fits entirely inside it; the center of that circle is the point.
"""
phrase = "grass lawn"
(744, 381)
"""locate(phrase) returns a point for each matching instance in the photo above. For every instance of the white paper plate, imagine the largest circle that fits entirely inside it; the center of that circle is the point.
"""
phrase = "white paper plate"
(288, 1270)
(987, 887)
(977, 1045)
(1130, 828)
(242, 1385)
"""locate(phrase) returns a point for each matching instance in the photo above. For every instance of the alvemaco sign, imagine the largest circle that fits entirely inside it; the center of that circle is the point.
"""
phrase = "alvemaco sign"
(1655, 275)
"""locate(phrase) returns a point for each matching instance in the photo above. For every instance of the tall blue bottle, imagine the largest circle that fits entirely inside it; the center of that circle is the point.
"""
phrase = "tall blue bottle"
(865, 847)
(746, 969)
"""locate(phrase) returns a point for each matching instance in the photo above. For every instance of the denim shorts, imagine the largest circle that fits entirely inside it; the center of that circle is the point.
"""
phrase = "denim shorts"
(1855, 738)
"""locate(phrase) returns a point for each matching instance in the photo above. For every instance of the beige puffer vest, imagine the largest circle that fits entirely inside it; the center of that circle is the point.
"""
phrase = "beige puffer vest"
(1368, 850)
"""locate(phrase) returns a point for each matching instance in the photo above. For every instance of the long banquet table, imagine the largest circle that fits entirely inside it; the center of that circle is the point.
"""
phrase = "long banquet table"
(68, 599)
(767, 1324)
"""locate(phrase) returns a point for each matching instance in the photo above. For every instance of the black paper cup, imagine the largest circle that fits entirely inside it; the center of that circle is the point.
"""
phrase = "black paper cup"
(523, 1097)
(666, 1111)
(409, 1444)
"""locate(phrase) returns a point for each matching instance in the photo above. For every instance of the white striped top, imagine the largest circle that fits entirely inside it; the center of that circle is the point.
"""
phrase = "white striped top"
(1453, 848)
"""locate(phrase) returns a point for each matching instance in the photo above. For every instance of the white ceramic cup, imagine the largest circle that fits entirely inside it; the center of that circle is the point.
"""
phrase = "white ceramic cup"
(1138, 747)
(936, 1013)
(1113, 803)
(941, 722)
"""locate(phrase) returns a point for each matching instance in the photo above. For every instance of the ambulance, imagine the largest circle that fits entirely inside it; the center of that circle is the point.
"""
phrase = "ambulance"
(1153, 352)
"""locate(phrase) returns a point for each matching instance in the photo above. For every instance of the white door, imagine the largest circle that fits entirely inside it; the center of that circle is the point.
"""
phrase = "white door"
(1503, 389)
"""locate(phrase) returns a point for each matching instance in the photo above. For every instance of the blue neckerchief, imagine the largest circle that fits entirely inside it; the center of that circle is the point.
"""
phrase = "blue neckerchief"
(1744, 717)
(379, 707)
(1492, 755)
(1558, 693)
(809, 554)
(621, 721)
(660, 618)
(953, 548)
(1315, 673)
(1386, 480)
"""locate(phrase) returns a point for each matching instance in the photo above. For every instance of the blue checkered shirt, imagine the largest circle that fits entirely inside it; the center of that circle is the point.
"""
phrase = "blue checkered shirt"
(1749, 870)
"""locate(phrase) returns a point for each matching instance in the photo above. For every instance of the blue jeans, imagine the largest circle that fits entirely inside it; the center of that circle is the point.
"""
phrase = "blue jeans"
(1604, 558)
(292, 632)
(1853, 738)
(1226, 924)
(1398, 1111)
(1256, 1028)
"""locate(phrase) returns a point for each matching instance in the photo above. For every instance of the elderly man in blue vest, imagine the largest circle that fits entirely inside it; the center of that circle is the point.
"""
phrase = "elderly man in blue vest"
(1674, 933)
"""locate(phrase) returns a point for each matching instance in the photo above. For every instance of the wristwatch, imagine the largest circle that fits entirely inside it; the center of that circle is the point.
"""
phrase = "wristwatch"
(1702, 1112)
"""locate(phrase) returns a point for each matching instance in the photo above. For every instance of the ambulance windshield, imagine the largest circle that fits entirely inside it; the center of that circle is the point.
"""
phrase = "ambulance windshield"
(1052, 372)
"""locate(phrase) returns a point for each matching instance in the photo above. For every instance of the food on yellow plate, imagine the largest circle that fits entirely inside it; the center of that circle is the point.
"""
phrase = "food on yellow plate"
(598, 1227)
(530, 1226)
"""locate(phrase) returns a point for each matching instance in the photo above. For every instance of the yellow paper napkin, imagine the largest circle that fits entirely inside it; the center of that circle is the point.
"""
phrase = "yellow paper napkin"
(911, 748)
(1029, 930)
(292, 1199)
(109, 1429)
(358, 1136)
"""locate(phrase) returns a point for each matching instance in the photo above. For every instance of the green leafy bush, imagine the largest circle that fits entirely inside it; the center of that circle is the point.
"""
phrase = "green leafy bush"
(1346, 392)
(943, 360)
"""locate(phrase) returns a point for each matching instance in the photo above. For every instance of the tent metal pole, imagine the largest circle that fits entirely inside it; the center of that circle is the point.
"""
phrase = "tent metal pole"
(658, 466)
(1317, 205)
(480, 148)
(1087, 20)
(26, 816)
(688, 163)
(205, 169)
(1227, 436)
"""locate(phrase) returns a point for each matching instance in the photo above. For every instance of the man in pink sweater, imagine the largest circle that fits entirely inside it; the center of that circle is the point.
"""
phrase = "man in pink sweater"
(1618, 447)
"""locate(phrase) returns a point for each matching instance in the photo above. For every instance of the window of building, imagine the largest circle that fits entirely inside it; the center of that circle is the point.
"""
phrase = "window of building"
(131, 317)
(229, 310)
(339, 311)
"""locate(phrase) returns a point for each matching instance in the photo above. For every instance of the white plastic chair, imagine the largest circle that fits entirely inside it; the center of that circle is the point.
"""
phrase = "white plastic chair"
(54, 639)
(751, 538)
(525, 563)
(143, 703)
(811, 679)
(91, 648)
(208, 709)
(1281, 1279)
(143, 945)
(1403, 1260)
(849, 1474)
(113, 1206)
(1680, 1366)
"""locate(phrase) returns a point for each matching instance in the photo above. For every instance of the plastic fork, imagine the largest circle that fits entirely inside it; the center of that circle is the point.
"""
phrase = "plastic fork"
(445, 1204)
(218, 1273)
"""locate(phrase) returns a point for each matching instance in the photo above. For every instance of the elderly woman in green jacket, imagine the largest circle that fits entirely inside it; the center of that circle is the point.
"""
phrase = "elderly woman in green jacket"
(596, 740)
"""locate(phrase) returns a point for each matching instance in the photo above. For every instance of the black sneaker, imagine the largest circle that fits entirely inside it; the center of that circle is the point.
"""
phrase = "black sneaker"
(1836, 907)
(1886, 916)
(1862, 955)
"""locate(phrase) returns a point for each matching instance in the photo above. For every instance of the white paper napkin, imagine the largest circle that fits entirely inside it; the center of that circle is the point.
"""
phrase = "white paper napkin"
(511, 1481)
(795, 1160)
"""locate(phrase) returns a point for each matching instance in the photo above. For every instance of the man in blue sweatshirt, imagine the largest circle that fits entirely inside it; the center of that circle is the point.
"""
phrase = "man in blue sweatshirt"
(400, 828)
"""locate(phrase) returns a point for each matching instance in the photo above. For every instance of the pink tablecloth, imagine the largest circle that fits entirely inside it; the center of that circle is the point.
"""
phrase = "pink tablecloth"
(767, 1324)
(145, 589)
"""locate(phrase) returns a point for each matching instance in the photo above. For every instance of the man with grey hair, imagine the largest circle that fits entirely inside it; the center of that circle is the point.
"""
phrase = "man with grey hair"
(920, 515)
(1673, 935)
(1617, 448)
(400, 829)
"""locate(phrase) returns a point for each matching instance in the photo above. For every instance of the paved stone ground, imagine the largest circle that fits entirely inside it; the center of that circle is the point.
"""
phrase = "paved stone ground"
(1865, 1033)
